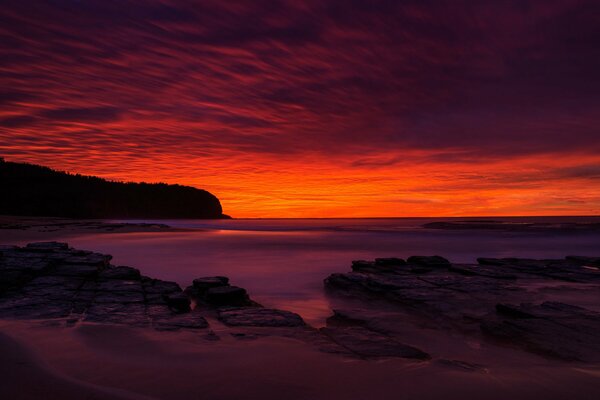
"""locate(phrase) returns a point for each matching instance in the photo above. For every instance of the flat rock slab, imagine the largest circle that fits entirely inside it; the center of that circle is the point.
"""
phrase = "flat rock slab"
(552, 329)
(469, 298)
(262, 317)
(370, 344)
(227, 296)
(50, 280)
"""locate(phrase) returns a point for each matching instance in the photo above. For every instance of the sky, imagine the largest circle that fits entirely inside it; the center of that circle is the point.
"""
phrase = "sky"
(314, 108)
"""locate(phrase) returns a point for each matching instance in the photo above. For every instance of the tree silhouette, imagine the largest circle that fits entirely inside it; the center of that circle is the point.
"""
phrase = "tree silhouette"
(33, 190)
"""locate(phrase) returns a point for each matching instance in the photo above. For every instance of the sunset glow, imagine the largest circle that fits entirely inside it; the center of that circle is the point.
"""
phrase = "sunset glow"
(300, 109)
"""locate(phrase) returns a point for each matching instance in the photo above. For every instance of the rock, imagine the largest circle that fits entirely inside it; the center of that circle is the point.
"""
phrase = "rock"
(362, 265)
(391, 261)
(51, 280)
(345, 318)
(120, 273)
(245, 336)
(480, 270)
(156, 289)
(379, 265)
(33, 265)
(7, 248)
(571, 269)
(369, 344)
(177, 321)
(97, 259)
(118, 297)
(587, 261)
(85, 270)
(462, 365)
(512, 311)
(428, 261)
(11, 279)
(210, 282)
(132, 314)
(551, 329)
(159, 286)
(178, 301)
(263, 317)
(116, 286)
(47, 246)
(541, 227)
(227, 296)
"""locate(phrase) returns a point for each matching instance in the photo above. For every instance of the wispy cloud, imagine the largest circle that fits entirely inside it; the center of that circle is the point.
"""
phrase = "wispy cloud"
(249, 97)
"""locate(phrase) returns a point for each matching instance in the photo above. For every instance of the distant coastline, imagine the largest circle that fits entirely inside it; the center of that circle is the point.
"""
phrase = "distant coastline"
(34, 190)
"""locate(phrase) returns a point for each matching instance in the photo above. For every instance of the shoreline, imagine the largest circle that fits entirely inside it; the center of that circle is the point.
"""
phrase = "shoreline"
(18, 228)
(375, 337)
(20, 366)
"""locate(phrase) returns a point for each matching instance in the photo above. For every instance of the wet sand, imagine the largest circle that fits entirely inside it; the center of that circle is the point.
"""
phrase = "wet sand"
(110, 362)
(25, 376)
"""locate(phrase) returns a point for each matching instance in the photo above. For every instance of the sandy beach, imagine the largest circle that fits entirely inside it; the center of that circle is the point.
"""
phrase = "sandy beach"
(113, 362)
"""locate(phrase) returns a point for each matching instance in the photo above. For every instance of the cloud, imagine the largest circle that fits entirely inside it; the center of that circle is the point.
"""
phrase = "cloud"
(17, 121)
(349, 86)
(82, 114)
(581, 171)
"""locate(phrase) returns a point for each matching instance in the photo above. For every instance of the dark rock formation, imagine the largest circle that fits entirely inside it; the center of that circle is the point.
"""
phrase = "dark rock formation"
(496, 300)
(178, 301)
(570, 269)
(40, 191)
(515, 226)
(428, 261)
(370, 344)
(53, 224)
(551, 328)
(51, 280)
(472, 299)
(258, 316)
(215, 291)
(391, 261)
(227, 296)
(354, 331)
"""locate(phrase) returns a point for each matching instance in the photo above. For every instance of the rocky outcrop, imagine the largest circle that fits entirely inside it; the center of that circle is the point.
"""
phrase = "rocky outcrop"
(258, 316)
(496, 300)
(353, 331)
(552, 328)
(52, 280)
(470, 298)
(515, 226)
(215, 291)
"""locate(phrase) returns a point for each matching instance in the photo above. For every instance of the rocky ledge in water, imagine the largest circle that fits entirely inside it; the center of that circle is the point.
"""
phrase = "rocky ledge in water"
(472, 299)
(515, 226)
(67, 225)
(53, 282)
(50, 280)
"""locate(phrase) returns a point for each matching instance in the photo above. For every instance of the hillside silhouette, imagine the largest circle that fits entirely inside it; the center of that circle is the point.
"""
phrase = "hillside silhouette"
(33, 190)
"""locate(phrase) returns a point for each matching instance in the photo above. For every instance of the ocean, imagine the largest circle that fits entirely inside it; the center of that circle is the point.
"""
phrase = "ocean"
(282, 262)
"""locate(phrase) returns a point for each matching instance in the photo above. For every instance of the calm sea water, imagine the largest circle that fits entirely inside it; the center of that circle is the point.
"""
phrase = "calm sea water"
(282, 263)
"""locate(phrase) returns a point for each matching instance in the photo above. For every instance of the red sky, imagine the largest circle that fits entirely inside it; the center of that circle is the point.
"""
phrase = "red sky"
(314, 108)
